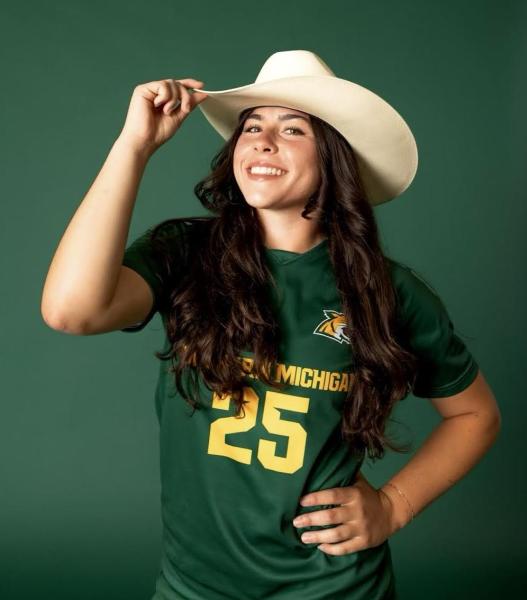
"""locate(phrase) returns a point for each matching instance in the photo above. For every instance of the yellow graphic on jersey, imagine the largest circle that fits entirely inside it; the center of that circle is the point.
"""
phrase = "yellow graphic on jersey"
(271, 418)
(333, 326)
(305, 377)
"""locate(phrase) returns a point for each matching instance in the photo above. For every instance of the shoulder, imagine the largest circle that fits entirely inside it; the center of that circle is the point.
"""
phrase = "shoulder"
(168, 241)
(180, 226)
(415, 295)
(177, 233)
(445, 363)
(406, 278)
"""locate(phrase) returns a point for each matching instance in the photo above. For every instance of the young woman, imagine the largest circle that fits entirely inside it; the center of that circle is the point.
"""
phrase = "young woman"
(290, 336)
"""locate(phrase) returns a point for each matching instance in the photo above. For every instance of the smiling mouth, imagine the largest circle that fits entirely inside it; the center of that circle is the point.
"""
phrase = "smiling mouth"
(263, 176)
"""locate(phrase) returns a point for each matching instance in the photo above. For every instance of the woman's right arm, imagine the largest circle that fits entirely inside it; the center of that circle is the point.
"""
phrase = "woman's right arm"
(87, 289)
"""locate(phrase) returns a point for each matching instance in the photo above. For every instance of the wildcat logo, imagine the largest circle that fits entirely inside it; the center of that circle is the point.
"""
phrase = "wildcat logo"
(333, 326)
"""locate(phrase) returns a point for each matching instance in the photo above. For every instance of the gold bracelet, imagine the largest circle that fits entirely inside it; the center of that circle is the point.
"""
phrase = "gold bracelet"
(403, 495)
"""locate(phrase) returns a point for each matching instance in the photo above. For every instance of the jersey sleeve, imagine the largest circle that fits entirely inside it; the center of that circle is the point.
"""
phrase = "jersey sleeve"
(138, 256)
(141, 256)
(446, 366)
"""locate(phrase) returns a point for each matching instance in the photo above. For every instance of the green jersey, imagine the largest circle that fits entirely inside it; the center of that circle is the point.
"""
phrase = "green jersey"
(231, 486)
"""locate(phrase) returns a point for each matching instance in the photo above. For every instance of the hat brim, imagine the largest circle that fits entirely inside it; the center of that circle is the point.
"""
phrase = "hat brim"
(383, 142)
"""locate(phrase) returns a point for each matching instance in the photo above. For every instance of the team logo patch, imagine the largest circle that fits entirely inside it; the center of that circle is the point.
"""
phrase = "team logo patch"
(333, 326)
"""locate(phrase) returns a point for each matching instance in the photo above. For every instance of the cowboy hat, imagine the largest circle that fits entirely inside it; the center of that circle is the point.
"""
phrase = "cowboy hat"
(383, 143)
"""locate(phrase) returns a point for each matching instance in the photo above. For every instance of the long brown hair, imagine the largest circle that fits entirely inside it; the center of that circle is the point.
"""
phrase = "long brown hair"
(217, 301)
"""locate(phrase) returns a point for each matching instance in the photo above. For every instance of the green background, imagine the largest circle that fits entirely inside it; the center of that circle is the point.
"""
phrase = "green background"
(79, 488)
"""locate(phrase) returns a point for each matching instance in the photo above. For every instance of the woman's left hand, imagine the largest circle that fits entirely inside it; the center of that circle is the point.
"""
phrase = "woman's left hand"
(364, 518)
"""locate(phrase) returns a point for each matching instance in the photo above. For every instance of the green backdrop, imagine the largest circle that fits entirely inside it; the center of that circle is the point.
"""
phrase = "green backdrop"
(79, 492)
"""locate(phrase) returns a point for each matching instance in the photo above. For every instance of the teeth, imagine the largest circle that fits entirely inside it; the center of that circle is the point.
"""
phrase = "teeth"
(266, 171)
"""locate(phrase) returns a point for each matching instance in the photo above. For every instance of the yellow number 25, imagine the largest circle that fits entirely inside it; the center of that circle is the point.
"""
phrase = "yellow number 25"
(296, 445)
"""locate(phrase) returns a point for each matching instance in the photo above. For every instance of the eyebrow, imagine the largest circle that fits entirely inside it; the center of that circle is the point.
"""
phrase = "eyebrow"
(283, 117)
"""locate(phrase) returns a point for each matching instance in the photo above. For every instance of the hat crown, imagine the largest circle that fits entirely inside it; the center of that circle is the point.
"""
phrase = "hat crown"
(293, 63)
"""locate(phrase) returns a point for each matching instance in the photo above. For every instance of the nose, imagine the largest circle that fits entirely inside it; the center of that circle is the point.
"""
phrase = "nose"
(264, 147)
(264, 143)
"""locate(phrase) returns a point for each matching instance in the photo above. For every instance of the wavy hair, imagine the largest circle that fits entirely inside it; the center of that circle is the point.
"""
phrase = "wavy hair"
(218, 293)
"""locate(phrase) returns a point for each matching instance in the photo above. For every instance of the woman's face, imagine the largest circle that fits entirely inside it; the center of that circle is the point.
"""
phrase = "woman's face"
(282, 137)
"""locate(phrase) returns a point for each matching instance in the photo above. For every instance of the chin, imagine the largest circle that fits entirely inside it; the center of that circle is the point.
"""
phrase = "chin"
(266, 205)
(261, 202)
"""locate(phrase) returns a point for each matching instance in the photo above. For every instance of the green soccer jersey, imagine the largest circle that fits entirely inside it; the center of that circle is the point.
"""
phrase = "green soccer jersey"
(231, 486)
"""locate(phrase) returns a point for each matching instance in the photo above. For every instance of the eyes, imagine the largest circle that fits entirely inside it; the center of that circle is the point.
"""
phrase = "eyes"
(295, 129)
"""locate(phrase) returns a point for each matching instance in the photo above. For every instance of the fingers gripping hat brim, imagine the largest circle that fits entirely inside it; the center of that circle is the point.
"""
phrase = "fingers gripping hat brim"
(383, 143)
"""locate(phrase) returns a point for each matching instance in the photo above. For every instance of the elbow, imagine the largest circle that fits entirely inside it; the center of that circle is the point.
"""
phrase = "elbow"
(54, 310)
(57, 321)
(49, 311)
(493, 418)
(51, 318)
(493, 425)
(497, 423)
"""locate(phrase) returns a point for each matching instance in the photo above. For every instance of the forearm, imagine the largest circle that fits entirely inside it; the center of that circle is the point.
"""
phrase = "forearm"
(452, 449)
(83, 273)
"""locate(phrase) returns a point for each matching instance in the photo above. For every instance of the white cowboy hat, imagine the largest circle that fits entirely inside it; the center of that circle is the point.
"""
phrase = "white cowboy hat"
(383, 143)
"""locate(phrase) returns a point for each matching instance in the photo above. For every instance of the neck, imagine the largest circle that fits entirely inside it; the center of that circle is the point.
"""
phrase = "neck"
(293, 234)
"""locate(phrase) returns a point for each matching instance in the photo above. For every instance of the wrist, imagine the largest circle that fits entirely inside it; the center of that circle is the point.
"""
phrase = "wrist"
(398, 512)
(142, 151)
